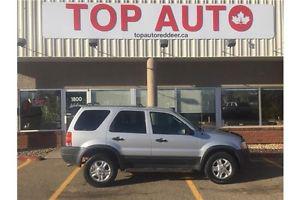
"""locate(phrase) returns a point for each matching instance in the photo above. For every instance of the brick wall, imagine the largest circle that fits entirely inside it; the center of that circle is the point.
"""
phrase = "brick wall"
(260, 135)
(31, 140)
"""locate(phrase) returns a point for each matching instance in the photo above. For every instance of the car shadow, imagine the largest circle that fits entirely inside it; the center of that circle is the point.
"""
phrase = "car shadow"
(255, 170)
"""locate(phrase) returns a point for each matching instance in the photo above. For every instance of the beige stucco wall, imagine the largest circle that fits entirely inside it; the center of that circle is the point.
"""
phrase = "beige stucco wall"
(26, 81)
(83, 73)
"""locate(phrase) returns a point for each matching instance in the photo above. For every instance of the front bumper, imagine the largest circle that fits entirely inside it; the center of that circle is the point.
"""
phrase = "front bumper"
(71, 155)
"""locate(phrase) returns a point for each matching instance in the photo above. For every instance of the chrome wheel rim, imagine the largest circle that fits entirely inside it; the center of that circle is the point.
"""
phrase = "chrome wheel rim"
(221, 168)
(100, 171)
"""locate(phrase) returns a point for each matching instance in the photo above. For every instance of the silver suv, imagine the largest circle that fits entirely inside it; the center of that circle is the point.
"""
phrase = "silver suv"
(107, 139)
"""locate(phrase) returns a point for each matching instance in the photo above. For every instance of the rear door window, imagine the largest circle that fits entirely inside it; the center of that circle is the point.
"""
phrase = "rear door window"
(129, 122)
(90, 120)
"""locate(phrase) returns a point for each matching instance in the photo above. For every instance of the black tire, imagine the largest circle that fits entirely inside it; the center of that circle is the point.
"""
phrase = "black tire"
(212, 160)
(113, 168)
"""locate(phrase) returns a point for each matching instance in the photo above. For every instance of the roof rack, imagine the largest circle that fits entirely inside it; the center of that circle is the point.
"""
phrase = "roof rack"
(92, 104)
(97, 104)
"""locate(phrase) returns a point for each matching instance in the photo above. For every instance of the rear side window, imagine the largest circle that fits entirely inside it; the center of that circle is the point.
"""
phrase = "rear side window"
(129, 121)
(90, 120)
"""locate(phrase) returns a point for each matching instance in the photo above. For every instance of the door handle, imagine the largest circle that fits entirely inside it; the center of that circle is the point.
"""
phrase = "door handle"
(161, 140)
(118, 138)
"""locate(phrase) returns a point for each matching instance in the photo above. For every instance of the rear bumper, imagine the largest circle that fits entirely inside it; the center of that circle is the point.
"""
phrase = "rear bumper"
(71, 155)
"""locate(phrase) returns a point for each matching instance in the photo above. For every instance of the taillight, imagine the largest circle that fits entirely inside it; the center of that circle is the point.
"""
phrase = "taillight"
(69, 139)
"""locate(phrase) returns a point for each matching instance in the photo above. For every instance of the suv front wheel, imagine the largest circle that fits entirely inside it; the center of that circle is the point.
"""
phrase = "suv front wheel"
(221, 168)
(100, 171)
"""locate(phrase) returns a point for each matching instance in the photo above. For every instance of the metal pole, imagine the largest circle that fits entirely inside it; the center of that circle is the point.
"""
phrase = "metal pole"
(151, 83)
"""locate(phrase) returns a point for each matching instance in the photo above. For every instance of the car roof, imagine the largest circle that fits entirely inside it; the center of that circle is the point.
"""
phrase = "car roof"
(91, 107)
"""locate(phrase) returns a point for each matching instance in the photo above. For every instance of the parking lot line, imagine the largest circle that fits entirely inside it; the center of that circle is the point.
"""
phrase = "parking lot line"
(194, 190)
(272, 162)
(24, 164)
(66, 182)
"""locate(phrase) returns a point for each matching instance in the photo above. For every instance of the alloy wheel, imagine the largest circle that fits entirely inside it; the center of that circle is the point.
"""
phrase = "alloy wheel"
(100, 171)
(221, 168)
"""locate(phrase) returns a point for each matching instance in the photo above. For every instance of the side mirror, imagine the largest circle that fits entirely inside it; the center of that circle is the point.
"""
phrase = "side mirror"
(190, 132)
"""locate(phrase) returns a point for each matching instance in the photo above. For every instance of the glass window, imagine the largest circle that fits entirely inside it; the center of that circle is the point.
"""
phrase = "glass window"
(129, 122)
(141, 97)
(240, 107)
(111, 97)
(40, 110)
(165, 97)
(164, 123)
(90, 120)
(73, 100)
(272, 106)
(197, 105)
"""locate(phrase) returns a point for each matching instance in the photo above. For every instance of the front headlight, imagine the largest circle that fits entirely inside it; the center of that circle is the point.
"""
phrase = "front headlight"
(244, 145)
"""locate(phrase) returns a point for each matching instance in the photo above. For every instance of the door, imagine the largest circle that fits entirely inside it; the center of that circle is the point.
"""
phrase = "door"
(73, 100)
(173, 138)
(128, 134)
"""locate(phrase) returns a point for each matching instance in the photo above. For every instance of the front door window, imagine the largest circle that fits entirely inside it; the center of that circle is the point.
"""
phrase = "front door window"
(164, 123)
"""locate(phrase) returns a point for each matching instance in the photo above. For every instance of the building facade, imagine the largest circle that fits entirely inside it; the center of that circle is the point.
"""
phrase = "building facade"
(237, 88)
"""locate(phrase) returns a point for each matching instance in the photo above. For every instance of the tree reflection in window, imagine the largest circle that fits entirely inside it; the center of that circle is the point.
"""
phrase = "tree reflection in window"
(40, 110)
(272, 106)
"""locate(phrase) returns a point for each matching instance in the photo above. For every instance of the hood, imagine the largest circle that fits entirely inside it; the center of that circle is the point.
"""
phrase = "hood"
(220, 132)
(219, 136)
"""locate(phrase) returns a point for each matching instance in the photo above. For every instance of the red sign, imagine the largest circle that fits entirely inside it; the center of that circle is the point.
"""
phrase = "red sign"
(240, 18)
(146, 21)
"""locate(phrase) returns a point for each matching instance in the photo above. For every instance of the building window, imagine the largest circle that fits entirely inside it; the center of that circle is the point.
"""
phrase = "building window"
(165, 98)
(272, 106)
(73, 100)
(240, 107)
(40, 110)
(111, 97)
(197, 105)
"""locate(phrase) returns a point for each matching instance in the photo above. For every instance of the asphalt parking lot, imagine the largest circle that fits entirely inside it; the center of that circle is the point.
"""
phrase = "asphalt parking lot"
(262, 179)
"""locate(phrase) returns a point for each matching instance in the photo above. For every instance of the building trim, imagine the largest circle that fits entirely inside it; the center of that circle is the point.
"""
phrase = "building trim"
(136, 59)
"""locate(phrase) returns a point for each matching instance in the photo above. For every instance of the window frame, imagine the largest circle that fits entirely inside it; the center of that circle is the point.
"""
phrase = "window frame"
(116, 115)
(176, 117)
(134, 93)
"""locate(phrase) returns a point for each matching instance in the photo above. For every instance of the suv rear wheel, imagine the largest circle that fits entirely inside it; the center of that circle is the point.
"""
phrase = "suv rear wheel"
(221, 168)
(100, 171)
